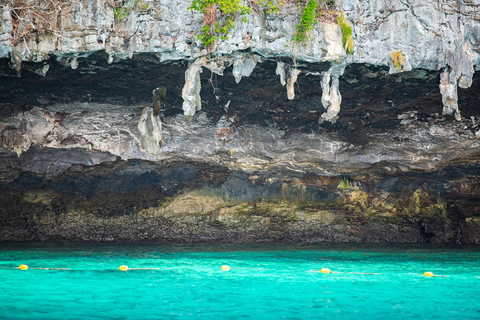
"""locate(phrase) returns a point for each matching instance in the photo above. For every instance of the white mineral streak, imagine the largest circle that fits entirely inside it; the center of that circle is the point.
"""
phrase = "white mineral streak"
(331, 97)
(191, 90)
(107, 131)
(192, 101)
(458, 72)
(466, 77)
(74, 63)
(292, 78)
(6, 31)
(448, 89)
(243, 67)
(150, 131)
(280, 71)
(333, 37)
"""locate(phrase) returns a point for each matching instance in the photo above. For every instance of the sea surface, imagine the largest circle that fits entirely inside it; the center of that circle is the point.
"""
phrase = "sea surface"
(265, 281)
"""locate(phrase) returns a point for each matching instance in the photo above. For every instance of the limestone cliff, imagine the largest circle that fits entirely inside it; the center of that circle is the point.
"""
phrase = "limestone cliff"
(257, 139)
(431, 35)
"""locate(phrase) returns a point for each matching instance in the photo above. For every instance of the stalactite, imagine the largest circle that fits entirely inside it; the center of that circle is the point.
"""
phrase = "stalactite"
(292, 78)
(191, 90)
(331, 97)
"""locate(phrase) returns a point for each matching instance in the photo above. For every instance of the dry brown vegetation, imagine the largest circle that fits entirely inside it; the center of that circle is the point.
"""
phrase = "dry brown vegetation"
(210, 16)
(39, 16)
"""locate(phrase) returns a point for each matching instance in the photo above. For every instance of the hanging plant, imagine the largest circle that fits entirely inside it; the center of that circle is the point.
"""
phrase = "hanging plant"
(213, 29)
(347, 33)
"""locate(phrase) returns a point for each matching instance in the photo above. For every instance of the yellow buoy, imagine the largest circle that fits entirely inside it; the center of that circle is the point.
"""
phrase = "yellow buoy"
(23, 267)
(225, 268)
(123, 267)
(325, 270)
(428, 274)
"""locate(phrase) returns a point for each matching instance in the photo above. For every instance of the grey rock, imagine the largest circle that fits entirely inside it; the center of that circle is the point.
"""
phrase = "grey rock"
(331, 97)
(191, 91)
(431, 34)
(150, 131)
(291, 79)
(243, 163)
(243, 67)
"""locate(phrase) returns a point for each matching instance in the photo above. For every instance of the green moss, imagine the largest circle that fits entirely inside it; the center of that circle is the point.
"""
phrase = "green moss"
(281, 210)
(357, 201)
(347, 33)
(123, 11)
(423, 206)
(199, 201)
(418, 200)
(345, 184)
(431, 213)
(397, 59)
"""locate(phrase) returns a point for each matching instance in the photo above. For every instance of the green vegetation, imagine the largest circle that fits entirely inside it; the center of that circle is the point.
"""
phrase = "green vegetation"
(123, 10)
(431, 213)
(272, 6)
(307, 22)
(214, 30)
(397, 59)
(425, 205)
(347, 33)
(284, 211)
(218, 28)
(358, 201)
(346, 184)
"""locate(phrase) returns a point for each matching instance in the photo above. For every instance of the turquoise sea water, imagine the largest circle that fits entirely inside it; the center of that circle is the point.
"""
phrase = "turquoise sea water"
(271, 281)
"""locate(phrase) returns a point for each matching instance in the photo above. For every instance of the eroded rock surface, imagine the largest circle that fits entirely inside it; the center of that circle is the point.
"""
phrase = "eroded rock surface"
(430, 35)
(236, 151)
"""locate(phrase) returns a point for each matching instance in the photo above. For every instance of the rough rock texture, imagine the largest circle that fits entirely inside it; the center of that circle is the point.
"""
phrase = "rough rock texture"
(431, 35)
(150, 131)
(250, 144)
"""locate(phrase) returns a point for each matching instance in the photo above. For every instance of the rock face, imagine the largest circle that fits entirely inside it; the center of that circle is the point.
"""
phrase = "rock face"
(256, 140)
(150, 131)
(431, 35)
